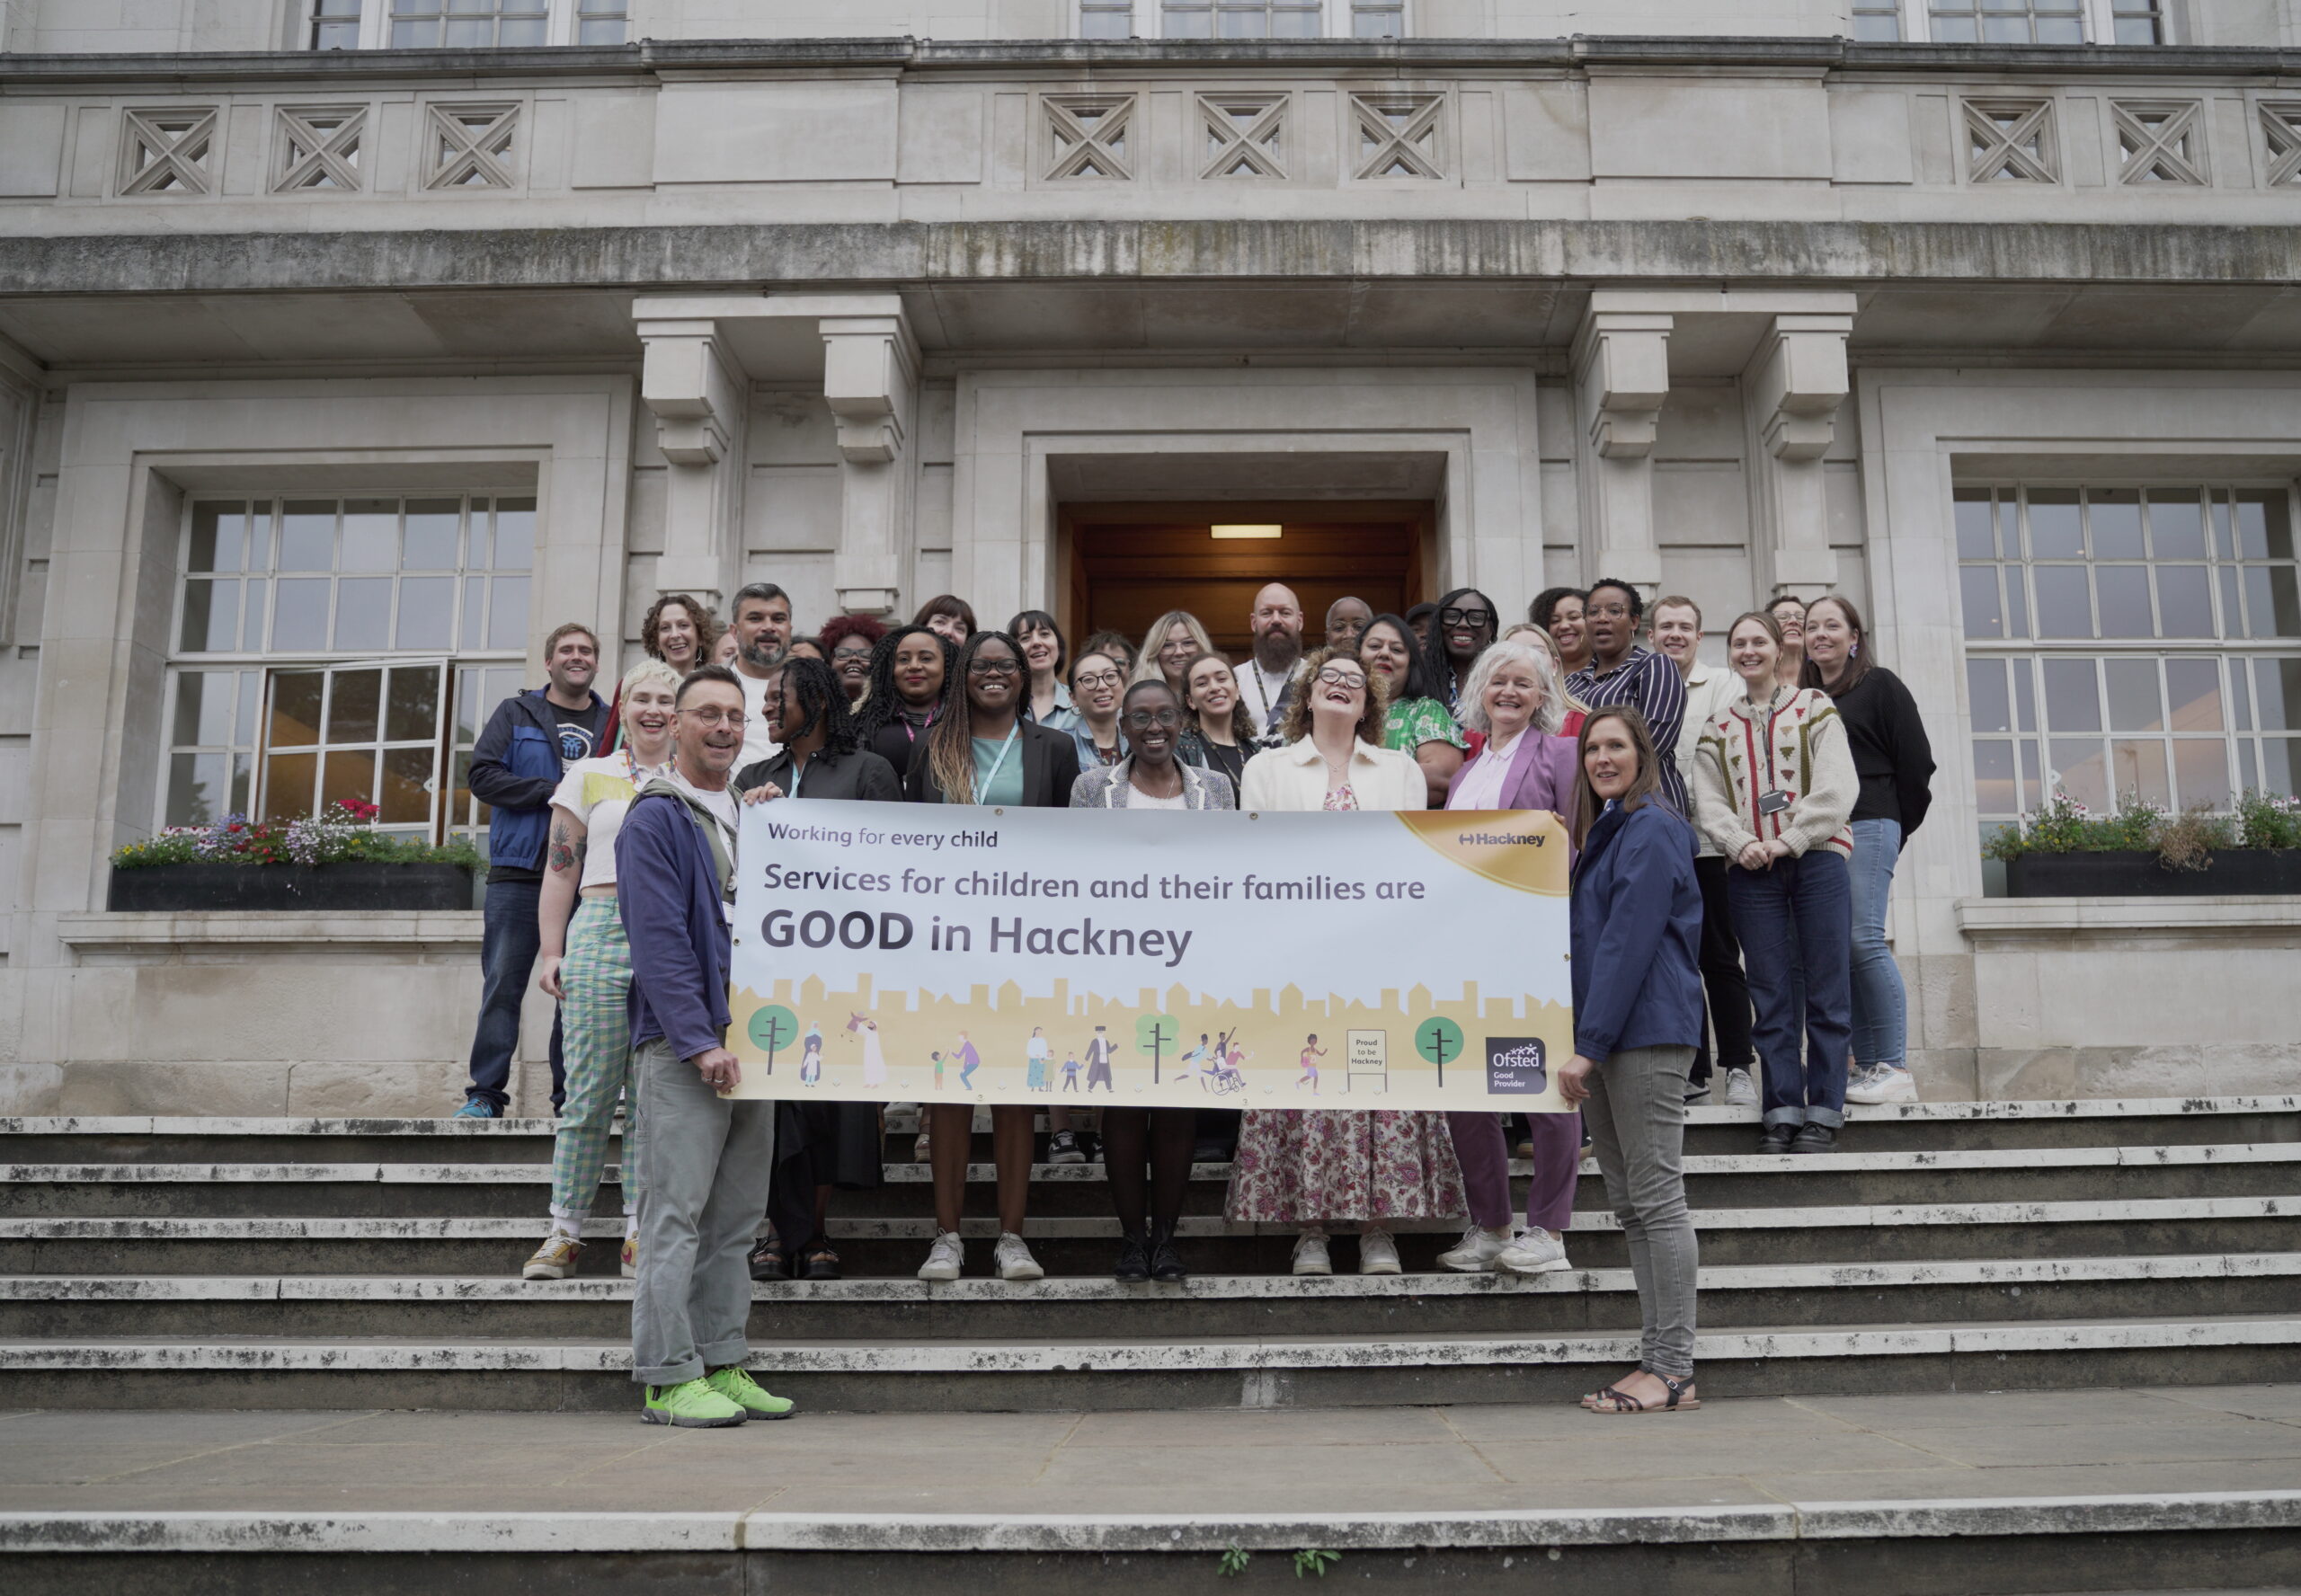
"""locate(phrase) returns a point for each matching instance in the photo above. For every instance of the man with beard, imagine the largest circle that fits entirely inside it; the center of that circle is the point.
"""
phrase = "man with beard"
(709, 1158)
(1277, 624)
(762, 632)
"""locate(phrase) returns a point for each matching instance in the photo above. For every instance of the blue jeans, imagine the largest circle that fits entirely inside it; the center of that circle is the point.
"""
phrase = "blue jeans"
(1880, 1007)
(1795, 923)
(508, 940)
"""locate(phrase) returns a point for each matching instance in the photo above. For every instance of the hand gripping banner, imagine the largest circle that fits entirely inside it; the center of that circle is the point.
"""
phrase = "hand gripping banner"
(925, 954)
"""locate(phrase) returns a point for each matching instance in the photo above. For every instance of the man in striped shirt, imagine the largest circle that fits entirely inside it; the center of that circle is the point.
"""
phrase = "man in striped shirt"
(1621, 672)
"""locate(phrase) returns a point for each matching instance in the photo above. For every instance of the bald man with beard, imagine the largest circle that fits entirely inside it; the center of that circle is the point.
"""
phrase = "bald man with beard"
(1277, 624)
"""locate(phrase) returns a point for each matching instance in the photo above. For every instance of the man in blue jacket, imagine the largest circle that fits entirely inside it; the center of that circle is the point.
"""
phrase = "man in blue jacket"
(529, 741)
(710, 1159)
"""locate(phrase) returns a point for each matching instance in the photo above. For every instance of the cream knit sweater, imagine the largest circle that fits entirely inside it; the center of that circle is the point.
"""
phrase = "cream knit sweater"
(1795, 744)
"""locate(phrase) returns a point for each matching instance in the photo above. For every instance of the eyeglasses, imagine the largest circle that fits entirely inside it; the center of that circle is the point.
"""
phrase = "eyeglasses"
(1613, 612)
(712, 717)
(1341, 678)
(980, 667)
(1146, 718)
(1466, 617)
(1097, 678)
(844, 652)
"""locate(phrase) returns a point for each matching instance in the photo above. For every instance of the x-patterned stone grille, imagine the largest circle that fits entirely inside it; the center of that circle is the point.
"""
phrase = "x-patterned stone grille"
(2281, 129)
(2160, 140)
(166, 152)
(1089, 134)
(1245, 135)
(320, 148)
(471, 146)
(2013, 141)
(1397, 135)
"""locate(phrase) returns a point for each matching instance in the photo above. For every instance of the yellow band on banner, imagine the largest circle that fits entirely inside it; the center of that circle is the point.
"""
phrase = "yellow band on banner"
(1152, 957)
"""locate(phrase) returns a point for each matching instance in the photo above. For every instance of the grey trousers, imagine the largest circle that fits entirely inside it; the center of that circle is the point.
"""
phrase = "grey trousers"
(1637, 1116)
(709, 1164)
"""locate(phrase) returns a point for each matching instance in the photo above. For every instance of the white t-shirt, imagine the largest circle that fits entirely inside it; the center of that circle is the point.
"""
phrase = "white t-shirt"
(757, 744)
(1139, 799)
(598, 792)
(722, 804)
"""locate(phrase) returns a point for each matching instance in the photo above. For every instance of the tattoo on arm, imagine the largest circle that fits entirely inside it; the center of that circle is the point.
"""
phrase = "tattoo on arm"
(564, 852)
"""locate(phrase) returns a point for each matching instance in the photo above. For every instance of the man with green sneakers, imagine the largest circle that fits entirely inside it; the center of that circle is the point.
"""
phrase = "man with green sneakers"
(708, 1158)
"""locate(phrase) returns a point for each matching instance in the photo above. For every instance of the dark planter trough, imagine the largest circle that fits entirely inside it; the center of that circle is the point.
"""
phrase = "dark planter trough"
(360, 886)
(2231, 871)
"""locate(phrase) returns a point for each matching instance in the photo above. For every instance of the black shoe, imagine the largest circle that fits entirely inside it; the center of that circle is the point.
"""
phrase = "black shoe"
(768, 1263)
(1166, 1264)
(1091, 1145)
(1776, 1139)
(1063, 1148)
(1210, 1152)
(821, 1265)
(1133, 1258)
(1814, 1139)
(1698, 1093)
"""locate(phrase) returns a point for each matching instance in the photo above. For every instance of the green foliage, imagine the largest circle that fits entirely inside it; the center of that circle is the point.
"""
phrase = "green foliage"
(2185, 841)
(1310, 1560)
(1234, 1560)
(345, 833)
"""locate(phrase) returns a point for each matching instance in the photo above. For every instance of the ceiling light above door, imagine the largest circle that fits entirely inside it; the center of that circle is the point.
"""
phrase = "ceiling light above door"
(1245, 530)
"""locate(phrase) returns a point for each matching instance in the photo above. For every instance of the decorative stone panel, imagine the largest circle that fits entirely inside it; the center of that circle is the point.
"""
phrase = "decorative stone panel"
(1090, 135)
(1245, 135)
(168, 151)
(470, 145)
(1397, 135)
(2281, 132)
(2012, 141)
(2160, 141)
(318, 148)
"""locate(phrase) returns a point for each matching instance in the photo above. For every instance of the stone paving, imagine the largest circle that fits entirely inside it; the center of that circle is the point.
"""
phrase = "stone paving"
(1905, 1449)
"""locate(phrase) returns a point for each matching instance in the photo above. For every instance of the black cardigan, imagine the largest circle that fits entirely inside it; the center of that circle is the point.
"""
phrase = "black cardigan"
(861, 774)
(1891, 754)
(1050, 766)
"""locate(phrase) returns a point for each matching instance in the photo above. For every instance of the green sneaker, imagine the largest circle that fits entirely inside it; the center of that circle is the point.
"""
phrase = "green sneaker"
(695, 1405)
(747, 1394)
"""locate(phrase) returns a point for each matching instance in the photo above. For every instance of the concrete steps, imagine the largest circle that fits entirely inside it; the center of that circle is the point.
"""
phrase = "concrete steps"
(275, 1263)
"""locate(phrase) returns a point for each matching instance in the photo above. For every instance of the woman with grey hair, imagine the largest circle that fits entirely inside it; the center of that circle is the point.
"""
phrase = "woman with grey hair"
(1513, 696)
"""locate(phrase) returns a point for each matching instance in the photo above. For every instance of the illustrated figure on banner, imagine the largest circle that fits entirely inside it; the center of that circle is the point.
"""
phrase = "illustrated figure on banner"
(968, 1061)
(811, 1055)
(1312, 1053)
(1039, 1054)
(1098, 1063)
(1070, 1070)
(874, 1062)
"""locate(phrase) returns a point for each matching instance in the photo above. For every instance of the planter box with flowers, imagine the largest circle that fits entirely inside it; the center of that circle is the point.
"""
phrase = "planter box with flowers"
(335, 861)
(2142, 851)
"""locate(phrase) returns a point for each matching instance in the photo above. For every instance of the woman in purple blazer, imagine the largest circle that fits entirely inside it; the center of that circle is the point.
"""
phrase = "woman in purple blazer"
(1513, 697)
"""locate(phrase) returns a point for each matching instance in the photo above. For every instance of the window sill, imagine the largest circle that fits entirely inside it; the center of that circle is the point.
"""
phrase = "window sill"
(245, 929)
(1988, 920)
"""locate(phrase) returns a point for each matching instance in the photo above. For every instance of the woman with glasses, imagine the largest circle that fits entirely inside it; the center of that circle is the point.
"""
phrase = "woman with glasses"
(1416, 723)
(1321, 1167)
(1097, 682)
(982, 751)
(1466, 622)
(1173, 641)
(910, 671)
(1788, 613)
(1221, 731)
(851, 640)
(1149, 778)
(1049, 701)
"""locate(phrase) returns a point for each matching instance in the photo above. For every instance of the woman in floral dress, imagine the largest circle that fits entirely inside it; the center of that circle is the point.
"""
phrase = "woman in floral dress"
(1321, 1168)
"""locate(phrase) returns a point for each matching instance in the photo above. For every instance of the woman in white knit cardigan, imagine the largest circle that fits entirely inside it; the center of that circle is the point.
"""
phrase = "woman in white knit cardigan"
(1774, 786)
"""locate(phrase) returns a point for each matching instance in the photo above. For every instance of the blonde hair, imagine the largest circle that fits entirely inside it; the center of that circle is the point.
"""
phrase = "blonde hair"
(1146, 663)
(1510, 651)
(648, 669)
(1567, 704)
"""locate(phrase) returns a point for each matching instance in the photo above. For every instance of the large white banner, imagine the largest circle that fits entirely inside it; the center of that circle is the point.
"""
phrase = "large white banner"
(928, 954)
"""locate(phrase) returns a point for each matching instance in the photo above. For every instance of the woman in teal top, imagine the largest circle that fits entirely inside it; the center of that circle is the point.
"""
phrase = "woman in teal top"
(984, 752)
(1419, 722)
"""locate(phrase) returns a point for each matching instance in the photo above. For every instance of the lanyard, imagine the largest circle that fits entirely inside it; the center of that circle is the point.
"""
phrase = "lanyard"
(1000, 764)
(910, 730)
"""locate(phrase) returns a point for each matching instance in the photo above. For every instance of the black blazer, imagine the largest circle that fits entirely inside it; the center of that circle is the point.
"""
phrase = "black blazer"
(1050, 766)
(859, 775)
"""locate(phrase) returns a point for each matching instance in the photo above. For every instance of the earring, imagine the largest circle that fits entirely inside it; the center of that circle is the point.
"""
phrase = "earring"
(1853, 652)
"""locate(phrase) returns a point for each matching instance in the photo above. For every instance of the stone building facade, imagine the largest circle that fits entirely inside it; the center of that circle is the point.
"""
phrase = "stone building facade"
(347, 346)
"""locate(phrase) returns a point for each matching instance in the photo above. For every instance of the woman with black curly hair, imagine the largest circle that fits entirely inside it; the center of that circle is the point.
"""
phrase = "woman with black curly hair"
(910, 674)
(821, 754)
(847, 640)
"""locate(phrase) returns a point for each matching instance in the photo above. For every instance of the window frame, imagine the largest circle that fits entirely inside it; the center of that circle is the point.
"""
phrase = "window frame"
(1338, 19)
(375, 30)
(2100, 18)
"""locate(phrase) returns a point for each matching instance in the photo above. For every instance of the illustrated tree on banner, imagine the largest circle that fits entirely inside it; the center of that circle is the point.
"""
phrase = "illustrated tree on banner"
(773, 1028)
(1438, 1039)
(1154, 1033)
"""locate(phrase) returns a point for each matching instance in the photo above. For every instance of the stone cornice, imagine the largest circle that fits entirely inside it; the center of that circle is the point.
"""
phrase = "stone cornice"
(659, 58)
(830, 255)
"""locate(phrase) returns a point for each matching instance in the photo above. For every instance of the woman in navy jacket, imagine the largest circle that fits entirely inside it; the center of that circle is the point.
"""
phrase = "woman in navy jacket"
(1636, 917)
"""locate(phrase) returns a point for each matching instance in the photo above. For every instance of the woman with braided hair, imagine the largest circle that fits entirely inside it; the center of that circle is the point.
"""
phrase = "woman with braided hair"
(910, 677)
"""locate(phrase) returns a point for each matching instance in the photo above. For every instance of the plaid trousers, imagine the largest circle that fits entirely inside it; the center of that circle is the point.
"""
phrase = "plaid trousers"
(596, 977)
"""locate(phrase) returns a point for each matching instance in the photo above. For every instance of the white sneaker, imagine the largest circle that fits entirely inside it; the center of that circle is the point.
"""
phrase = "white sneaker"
(1882, 1083)
(1378, 1253)
(1014, 1259)
(945, 1258)
(1310, 1254)
(1536, 1252)
(922, 1147)
(1476, 1252)
(1741, 1091)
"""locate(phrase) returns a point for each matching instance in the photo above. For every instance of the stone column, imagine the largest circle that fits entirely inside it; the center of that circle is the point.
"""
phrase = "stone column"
(696, 392)
(871, 383)
(1794, 385)
(1622, 375)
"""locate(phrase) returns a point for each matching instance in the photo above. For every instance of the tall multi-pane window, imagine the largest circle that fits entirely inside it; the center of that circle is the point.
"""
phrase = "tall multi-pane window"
(469, 25)
(327, 649)
(1105, 19)
(602, 21)
(1242, 18)
(1878, 21)
(1378, 18)
(2129, 641)
(2007, 21)
(335, 24)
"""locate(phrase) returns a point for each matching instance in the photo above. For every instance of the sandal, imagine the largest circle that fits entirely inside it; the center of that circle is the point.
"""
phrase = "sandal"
(822, 1265)
(768, 1262)
(1620, 1402)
